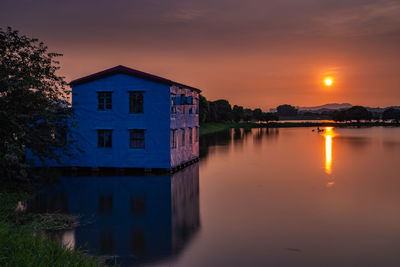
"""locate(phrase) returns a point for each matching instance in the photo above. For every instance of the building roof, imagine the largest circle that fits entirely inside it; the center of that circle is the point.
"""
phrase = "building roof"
(125, 70)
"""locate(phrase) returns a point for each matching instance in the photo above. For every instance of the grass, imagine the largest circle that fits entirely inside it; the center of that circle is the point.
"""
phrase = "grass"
(22, 242)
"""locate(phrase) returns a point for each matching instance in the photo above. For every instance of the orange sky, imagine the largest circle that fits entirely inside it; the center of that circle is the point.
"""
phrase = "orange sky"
(253, 53)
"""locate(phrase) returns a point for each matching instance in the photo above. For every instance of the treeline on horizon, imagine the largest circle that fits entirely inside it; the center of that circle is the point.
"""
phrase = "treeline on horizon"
(222, 111)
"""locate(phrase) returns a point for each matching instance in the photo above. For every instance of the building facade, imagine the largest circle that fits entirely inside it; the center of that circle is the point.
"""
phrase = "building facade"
(126, 118)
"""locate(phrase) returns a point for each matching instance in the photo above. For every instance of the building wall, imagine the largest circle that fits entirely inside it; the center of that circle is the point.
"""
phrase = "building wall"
(179, 121)
(154, 120)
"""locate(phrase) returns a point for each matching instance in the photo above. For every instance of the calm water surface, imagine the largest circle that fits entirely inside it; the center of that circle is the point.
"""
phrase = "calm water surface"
(261, 197)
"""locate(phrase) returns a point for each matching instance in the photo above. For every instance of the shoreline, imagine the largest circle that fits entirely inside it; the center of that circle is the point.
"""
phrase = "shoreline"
(23, 234)
(208, 128)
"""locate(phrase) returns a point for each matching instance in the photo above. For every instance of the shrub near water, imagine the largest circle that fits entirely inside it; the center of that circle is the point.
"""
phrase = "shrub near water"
(19, 247)
(21, 243)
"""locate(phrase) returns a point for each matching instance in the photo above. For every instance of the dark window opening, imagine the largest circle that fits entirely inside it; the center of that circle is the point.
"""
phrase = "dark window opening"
(183, 137)
(173, 138)
(182, 103)
(138, 241)
(173, 104)
(104, 138)
(138, 205)
(190, 136)
(136, 138)
(104, 100)
(136, 102)
(106, 242)
(106, 204)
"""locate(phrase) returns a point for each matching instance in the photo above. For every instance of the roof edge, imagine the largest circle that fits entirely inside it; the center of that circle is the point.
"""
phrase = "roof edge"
(129, 71)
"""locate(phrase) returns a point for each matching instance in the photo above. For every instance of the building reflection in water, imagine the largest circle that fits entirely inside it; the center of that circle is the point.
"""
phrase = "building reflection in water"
(329, 134)
(128, 219)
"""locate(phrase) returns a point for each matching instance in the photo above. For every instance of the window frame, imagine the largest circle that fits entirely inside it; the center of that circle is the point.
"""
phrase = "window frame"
(183, 136)
(132, 140)
(104, 135)
(182, 103)
(173, 104)
(132, 109)
(104, 100)
(190, 135)
(174, 138)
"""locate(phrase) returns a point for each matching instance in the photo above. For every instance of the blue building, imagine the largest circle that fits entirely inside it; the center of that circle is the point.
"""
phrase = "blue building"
(126, 118)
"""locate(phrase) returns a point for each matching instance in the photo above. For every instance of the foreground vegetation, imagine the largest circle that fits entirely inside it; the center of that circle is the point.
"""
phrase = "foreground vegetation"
(22, 242)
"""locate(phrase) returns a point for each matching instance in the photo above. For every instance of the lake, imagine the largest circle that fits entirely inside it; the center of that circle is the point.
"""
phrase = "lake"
(259, 197)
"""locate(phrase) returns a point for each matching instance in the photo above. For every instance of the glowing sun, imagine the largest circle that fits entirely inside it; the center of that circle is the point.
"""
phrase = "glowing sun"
(328, 81)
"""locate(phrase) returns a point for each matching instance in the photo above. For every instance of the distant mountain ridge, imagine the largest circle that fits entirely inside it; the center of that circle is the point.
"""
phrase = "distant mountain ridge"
(331, 106)
(336, 106)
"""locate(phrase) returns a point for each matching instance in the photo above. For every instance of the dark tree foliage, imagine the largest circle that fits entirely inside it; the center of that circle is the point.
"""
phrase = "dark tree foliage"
(238, 113)
(257, 114)
(220, 111)
(358, 113)
(204, 109)
(248, 114)
(33, 107)
(338, 115)
(286, 110)
(269, 116)
(391, 114)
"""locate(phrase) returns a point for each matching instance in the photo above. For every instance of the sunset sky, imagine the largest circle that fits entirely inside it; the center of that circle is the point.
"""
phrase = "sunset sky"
(255, 53)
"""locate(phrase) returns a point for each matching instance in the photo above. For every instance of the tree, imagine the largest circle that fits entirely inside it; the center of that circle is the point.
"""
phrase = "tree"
(269, 116)
(286, 110)
(238, 113)
(221, 111)
(358, 113)
(33, 102)
(257, 114)
(338, 115)
(391, 114)
(204, 109)
(248, 114)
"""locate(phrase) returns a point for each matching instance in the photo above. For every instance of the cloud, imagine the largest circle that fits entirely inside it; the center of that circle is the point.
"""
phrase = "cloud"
(362, 20)
(185, 14)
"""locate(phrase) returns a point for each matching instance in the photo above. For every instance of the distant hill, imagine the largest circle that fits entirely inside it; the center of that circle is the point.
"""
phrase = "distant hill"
(337, 106)
(332, 106)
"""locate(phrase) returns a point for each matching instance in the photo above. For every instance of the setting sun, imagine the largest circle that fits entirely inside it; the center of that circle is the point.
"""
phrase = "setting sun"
(328, 81)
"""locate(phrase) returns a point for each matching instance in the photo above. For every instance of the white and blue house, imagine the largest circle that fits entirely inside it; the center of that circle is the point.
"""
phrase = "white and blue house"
(125, 118)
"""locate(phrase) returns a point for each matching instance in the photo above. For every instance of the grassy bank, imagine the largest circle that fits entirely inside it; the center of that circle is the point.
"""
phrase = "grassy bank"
(208, 128)
(22, 242)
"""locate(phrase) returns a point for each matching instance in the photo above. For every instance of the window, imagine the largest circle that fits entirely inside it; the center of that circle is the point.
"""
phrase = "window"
(138, 205)
(107, 243)
(105, 204)
(136, 102)
(104, 138)
(183, 137)
(189, 101)
(173, 138)
(190, 136)
(173, 106)
(196, 105)
(197, 134)
(182, 103)
(138, 241)
(136, 138)
(104, 101)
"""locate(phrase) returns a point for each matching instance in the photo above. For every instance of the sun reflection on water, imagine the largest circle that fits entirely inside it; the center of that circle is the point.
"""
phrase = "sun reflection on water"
(329, 134)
